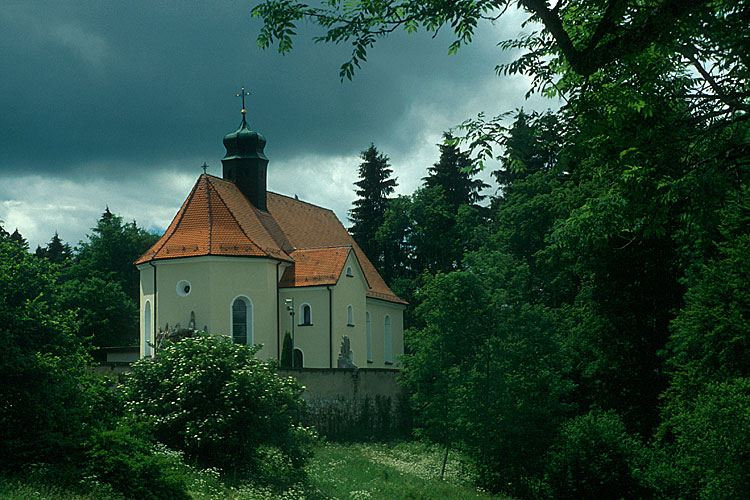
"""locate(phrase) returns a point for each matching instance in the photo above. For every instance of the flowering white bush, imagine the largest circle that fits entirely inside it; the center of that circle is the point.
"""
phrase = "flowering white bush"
(220, 405)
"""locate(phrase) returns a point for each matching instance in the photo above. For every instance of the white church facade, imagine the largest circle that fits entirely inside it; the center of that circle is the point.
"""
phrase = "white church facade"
(241, 261)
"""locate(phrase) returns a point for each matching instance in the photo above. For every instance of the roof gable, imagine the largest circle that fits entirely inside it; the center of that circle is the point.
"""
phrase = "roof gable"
(309, 226)
(315, 267)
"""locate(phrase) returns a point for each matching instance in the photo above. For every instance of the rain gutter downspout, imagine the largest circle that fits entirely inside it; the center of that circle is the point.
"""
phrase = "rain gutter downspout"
(153, 323)
(330, 325)
(278, 352)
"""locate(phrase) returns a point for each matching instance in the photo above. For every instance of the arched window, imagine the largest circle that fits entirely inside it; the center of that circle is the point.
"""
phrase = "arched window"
(388, 340)
(349, 272)
(349, 316)
(242, 321)
(299, 358)
(368, 330)
(148, 338)
(305, 316)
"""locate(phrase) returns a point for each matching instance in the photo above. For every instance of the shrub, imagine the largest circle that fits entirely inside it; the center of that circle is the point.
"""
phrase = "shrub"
(212, 399)
(123, 457)
(595, 458)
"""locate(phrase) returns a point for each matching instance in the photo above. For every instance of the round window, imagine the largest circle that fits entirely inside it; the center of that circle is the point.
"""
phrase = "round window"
(183, 288)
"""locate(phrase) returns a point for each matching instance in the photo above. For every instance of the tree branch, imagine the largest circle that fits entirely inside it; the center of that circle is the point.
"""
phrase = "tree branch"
(689, 53)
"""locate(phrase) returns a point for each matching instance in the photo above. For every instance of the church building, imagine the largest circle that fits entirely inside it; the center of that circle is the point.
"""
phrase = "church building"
(241, 261)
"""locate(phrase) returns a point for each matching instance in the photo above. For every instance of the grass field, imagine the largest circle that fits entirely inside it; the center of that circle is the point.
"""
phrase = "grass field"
(377, 471)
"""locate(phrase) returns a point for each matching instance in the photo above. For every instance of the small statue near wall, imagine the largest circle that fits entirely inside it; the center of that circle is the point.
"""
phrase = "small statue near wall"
(346, 355)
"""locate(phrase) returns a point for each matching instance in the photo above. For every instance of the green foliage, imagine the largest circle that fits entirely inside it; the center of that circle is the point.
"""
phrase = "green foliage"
(286, 351)
(47, 395)
(454, 314)
(706, 453)
(102, 283)
(394, 237)
(106, 315)
(19, 240)
(123, 457)
(375, 184)
(212, 399)
(55, 251)
(710, 340)
(595, 458)
(453, 172)
(485, 373)
(401, 470)
(110, 251)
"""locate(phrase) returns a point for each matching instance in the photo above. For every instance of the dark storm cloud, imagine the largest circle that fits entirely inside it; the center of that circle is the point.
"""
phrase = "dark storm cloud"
(141, 83)
(117, 104)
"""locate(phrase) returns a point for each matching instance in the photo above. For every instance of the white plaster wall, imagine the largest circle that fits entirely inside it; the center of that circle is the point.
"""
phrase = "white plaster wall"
(350, 290)
(215, 283)
(313, 340)
(378, 310)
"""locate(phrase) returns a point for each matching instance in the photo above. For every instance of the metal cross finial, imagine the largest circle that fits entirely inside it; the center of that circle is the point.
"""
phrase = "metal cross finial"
(242, 94)
(204, 167)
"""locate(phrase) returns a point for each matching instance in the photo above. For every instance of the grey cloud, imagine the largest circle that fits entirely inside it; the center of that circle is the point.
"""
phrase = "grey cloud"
(121, 92)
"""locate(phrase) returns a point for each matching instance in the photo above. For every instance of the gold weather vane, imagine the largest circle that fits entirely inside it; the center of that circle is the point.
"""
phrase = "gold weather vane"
(242, 94)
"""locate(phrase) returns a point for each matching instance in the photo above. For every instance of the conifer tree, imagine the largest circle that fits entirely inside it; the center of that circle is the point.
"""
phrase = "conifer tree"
(19, 240)
(374, 185)
(454, 172)
(56, 251)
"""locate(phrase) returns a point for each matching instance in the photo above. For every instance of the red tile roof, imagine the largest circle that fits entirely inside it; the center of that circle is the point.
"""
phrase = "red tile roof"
(217, 219)
(310, 226)
(315, 266)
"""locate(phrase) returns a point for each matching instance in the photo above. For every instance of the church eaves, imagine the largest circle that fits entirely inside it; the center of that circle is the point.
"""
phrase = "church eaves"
(217, 219)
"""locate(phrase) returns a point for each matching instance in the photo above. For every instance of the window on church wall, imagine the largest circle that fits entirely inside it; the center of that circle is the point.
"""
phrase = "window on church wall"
(368, 331)
(349, 316)
(299, 358)
(388, 337)
(147, 330)
(305, 315)
(242, 321)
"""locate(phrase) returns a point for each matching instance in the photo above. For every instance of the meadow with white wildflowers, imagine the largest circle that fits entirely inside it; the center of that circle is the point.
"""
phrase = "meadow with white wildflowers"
(358, 471)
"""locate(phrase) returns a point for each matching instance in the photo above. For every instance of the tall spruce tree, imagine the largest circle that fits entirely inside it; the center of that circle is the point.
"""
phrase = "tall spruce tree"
(454, 172)
(374, 185)
(19, 240)
(56, 251)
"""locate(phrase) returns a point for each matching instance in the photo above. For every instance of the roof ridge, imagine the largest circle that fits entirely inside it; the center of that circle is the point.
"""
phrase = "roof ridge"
(210, 218)
(177, 222)
(302, 201)
(234, 218)
(323, 248)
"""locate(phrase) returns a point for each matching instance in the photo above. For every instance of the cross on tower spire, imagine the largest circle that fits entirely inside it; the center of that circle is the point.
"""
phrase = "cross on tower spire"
(242, 94)
(204, 167)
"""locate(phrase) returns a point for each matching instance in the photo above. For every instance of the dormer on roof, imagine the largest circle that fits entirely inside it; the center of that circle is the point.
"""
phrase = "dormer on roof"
(245, 163)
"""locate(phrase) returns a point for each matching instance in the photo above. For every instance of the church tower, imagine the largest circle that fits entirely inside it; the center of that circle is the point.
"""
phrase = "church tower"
(245, 163)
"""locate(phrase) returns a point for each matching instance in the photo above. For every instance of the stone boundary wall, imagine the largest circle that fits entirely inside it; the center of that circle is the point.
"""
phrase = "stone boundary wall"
(357, 404)
(345, 405)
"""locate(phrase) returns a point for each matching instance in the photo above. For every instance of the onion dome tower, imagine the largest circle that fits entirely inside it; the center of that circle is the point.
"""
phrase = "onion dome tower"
(245, 164)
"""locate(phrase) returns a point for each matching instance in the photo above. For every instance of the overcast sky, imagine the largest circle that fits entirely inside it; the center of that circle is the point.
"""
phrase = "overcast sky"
(111, 103)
